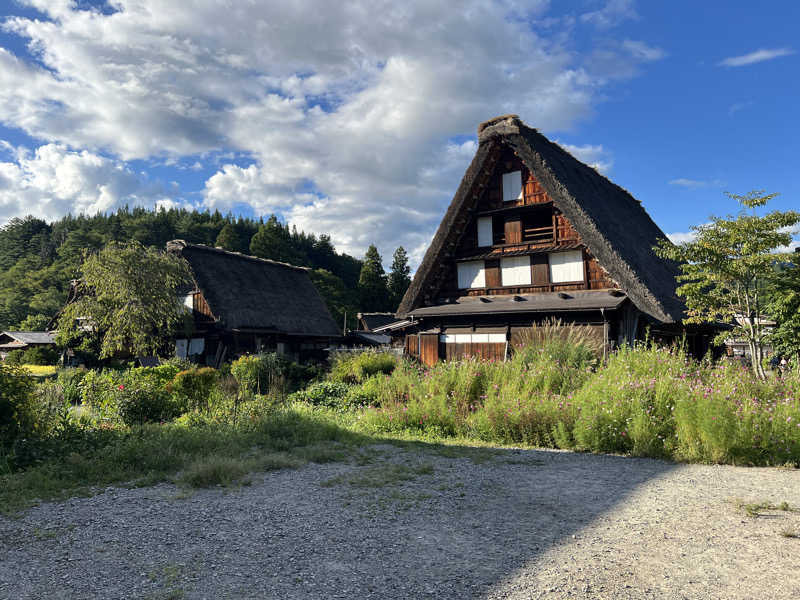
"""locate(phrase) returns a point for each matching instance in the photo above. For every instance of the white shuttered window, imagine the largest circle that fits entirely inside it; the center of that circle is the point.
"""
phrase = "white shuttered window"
(471, 274)
(485, 231)
(516, 270)
(472, 338)
(512, 186)
(566, 266)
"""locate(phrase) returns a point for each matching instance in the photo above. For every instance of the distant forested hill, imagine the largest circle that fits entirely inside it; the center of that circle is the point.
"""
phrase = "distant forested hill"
(38, 259)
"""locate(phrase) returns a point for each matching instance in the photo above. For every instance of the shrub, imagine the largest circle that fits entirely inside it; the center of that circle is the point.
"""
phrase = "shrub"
(17, 415)
(194, 387)
(260, 373)
(144, 403)
(70, 382)
(323, 393)
(99, 393)
(160, 376)
(35, 355)
(357, 368)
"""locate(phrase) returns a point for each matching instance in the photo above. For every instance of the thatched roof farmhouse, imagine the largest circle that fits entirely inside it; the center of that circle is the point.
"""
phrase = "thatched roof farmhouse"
(243, 304)
(533, 233)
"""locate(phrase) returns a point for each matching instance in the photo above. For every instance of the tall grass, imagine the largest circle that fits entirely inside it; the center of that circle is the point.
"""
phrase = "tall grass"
(644, 401)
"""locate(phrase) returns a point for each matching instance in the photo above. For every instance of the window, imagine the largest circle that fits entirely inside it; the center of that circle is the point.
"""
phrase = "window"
(471, 274)
(512, 186)
(516, 270)
(473, 338)
(566, 266)
(485, 231)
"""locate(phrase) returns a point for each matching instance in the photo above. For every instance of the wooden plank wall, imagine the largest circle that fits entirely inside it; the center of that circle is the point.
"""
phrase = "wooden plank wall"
(484, 351)
(412, 344)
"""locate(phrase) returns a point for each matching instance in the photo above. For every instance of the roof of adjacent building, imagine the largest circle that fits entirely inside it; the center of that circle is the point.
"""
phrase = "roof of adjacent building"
(374, 320)
(531, 303)
(249, 293)
(31, 337)
(612, 224)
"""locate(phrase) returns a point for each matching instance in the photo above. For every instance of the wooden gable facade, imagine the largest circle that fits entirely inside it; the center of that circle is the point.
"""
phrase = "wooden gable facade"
(534, 234)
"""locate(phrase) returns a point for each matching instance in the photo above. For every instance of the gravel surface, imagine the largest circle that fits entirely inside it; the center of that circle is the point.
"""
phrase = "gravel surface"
(422, 522)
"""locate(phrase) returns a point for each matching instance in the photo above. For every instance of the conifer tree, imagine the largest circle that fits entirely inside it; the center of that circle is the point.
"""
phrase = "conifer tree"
(372, 290)
(228, 239)
(399, 277)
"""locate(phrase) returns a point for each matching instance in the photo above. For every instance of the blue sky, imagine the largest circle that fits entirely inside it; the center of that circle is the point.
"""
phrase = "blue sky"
(358, 119)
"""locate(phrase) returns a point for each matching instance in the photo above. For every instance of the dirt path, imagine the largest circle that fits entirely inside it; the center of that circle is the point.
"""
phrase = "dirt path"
(428, 521)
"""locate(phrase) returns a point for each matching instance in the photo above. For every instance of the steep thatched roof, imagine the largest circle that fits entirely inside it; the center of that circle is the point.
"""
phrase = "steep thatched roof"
(249, 293)
(611, 222)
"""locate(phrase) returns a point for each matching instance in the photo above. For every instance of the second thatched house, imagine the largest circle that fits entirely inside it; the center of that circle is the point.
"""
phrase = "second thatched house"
(244, 304)
(533, 233)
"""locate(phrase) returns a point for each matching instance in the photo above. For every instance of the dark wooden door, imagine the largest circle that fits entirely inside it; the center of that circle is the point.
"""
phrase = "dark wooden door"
(429, 348)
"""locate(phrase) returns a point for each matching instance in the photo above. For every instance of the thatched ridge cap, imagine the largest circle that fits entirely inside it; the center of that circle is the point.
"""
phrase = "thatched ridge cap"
(179, 245)
(500, 126)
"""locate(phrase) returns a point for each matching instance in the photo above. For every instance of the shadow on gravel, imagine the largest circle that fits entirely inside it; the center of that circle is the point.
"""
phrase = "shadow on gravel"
(395, 520)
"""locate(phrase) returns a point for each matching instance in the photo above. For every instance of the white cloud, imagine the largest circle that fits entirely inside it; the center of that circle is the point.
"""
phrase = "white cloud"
(595, 156)
(737, 106)
(681, 237)
(756, 56)
(52, 181)
(611, 14)
(695, 183)
(346, 111)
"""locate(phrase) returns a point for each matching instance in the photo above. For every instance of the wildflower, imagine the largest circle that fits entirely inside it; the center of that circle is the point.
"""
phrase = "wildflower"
(122, 387)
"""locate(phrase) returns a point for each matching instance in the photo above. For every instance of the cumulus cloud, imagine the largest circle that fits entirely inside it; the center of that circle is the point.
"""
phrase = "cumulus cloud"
(756, 56)
(347, 111)
(595, 156)
(681, 237)
(53, 180)
(611, 14)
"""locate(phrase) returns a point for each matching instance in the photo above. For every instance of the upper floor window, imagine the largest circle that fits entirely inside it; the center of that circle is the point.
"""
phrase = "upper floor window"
(471, 274)
(566, 267)
(512, 186)
(485, 232)
(515, 270)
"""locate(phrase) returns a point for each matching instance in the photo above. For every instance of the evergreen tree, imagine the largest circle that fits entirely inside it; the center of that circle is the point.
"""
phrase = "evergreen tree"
(372, 291)
(228, 239)
(399, 277)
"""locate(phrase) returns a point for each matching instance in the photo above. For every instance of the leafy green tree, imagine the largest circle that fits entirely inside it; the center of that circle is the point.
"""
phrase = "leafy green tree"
(399, 277)
(784, 307)
(128, 295)
(725, 268)
(36, 322)
(372, 289)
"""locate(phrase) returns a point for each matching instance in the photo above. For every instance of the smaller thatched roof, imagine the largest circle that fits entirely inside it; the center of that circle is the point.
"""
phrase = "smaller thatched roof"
(249, 293)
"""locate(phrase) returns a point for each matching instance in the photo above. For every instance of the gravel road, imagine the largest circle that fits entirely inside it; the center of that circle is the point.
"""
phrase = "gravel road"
(425, 521)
